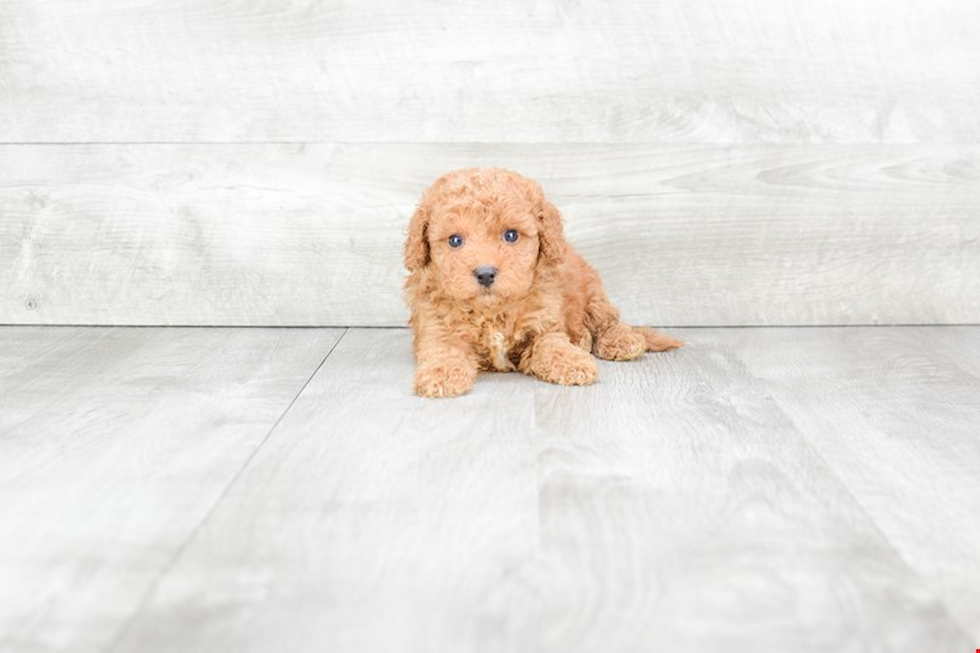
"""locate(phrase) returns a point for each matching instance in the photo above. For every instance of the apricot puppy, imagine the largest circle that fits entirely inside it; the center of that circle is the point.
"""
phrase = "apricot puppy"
(494, 286)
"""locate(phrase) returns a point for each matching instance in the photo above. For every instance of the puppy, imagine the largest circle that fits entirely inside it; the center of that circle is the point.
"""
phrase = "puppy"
(494, 286)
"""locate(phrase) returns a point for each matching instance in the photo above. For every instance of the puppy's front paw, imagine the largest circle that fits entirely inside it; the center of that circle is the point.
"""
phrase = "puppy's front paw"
(443, 380)
(566, 366)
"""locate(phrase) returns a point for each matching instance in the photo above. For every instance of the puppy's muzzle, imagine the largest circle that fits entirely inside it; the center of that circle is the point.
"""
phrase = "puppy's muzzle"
(485, 274)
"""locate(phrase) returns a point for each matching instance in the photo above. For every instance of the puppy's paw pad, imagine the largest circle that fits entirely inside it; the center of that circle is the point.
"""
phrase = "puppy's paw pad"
(619, 343)
(443, 381)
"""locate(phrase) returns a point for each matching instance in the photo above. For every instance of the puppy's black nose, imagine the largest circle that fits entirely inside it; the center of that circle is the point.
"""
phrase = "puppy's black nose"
(485, 275)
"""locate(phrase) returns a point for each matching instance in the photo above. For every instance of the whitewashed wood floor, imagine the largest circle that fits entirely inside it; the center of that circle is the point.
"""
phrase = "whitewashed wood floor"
(777, 489)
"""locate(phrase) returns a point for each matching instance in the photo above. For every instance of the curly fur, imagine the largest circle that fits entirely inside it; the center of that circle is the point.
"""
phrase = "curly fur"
(545, 314)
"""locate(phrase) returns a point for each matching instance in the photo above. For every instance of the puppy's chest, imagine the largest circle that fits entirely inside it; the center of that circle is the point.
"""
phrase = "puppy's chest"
(499, 345)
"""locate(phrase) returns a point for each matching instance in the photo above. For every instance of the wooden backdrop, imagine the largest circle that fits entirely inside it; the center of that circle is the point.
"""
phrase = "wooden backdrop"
(255, 162)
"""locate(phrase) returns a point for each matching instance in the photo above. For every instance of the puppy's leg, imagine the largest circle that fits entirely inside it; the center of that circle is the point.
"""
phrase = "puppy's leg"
(553, 358)
(616, 341)
(443, 371)
(620, 342)
(611, 339)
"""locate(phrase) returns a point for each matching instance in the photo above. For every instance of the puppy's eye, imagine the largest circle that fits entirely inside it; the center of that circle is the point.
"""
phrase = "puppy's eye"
(455, 241)
(511, 235)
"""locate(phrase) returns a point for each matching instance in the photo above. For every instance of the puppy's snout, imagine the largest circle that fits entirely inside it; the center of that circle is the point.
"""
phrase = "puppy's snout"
(485, 274)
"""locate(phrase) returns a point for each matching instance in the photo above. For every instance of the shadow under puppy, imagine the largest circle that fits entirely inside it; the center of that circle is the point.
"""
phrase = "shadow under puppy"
(494, 286)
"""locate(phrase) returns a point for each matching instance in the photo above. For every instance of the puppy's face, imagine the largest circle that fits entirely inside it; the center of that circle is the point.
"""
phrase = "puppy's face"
(481, 233)
(484, 250)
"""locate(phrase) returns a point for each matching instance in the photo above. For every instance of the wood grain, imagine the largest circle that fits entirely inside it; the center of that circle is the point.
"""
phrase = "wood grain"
(757, 489)
(312, 234)
(681, 510)
(115, 444)
(372, 520)
(895, 413)
(673, 506)
(745, 71)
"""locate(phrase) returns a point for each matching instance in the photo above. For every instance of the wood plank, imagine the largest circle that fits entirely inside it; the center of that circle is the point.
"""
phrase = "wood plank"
(382, 71)
(895, 413)
(372, 520)
(670, 507)
(114, 445)
(312, 234)
(683, 511)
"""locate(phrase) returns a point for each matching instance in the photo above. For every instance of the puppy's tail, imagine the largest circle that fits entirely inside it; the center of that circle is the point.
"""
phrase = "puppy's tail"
(657, 341)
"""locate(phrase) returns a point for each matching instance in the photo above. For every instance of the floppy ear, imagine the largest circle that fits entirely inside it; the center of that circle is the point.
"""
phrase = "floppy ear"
(417, 244)
(552, 234)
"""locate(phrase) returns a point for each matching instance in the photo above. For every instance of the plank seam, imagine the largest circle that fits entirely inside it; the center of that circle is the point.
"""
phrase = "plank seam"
(195, 531)
(814, 450)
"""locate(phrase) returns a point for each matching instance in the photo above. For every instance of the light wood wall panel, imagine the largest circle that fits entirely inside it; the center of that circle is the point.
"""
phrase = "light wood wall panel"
(255, 162)
(739, 71)
(297, 234)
